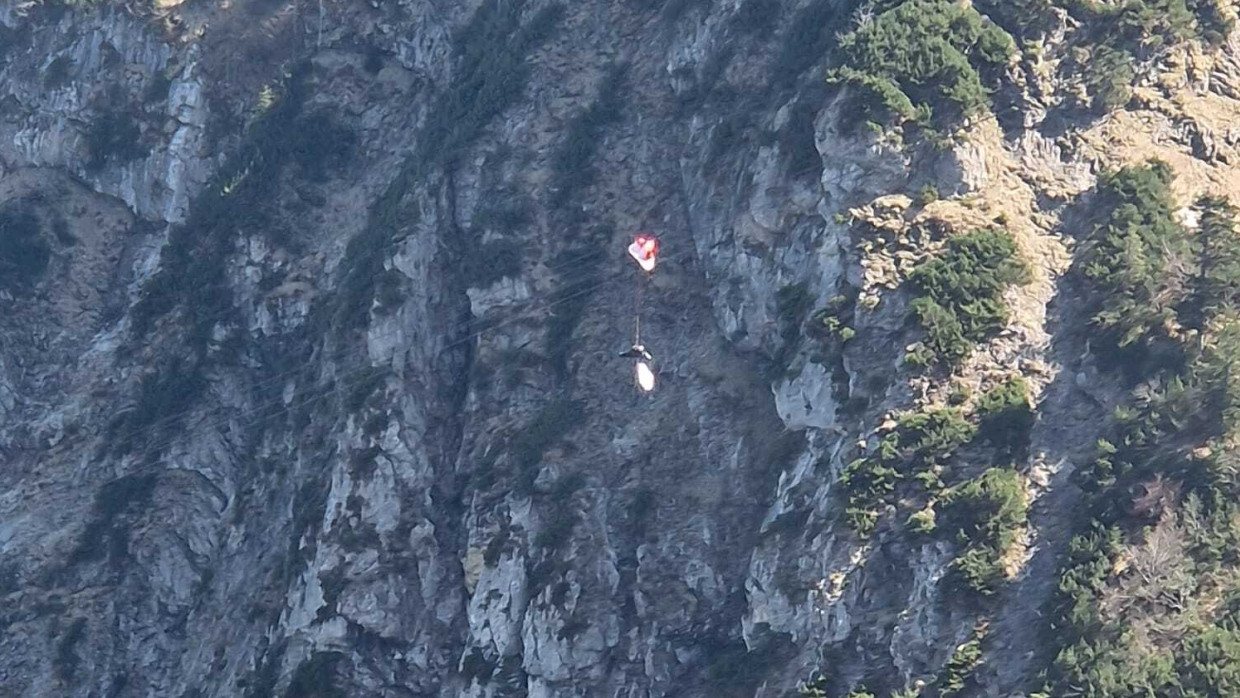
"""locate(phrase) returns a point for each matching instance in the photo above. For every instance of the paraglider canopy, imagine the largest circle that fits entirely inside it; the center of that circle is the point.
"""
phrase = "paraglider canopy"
(645, 376)
(645, 249)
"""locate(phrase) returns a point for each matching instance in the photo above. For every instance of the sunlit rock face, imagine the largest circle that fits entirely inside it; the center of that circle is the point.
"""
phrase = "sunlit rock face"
(309, 323)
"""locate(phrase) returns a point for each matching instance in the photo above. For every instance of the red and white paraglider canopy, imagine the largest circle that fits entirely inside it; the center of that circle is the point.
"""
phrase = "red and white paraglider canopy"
(645, 250)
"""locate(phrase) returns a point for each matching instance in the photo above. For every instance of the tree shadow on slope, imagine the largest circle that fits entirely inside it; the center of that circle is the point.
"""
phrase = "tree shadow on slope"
(1072, 413)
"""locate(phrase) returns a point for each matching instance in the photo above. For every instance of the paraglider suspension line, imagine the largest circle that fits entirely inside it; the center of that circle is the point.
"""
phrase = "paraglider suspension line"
(638, 311)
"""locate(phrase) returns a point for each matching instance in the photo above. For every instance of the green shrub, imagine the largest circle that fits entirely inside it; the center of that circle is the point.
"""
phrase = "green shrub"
(1213, 24)
(920, 442)
(1217, 287)
(991, 507)
(923, 521)
(925, 55)
(1137, 23)
(1137, 257)
(1146, 260)
(1006, 416)
(960, 293)
(986, 514)
(1108, 76)
(830, 324)
(1020, 17)
(960, 666)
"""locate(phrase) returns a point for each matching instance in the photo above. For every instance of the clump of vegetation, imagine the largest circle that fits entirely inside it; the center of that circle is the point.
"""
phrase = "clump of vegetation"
(908, 468)
(24, 254)
(1117, 35)
(1023, 18)
(1108, 78)
(960, 294)
(1139, 261)
(986, 515)
(928, 194)
(923, 60)
(916, 449)
(832, 322)
(1006, 416)
(1216, 287)
(963, 663)
(1155, 563)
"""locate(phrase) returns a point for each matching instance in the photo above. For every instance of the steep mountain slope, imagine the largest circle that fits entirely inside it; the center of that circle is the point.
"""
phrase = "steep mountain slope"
(307, 359)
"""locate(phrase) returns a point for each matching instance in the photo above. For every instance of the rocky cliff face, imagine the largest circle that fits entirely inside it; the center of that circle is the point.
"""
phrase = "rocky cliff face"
(307, 353)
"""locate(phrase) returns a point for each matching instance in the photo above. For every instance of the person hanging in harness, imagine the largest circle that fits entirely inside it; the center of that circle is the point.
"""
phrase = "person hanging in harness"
(637, 351)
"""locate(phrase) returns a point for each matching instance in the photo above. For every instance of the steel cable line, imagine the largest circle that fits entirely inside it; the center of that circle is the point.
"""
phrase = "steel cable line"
(342, 379)
(352, 353)
(553, 268)
(279, 377)
(586, 287)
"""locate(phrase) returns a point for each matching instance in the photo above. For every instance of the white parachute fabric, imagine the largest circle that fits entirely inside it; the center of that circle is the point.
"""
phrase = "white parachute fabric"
(645, 376)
